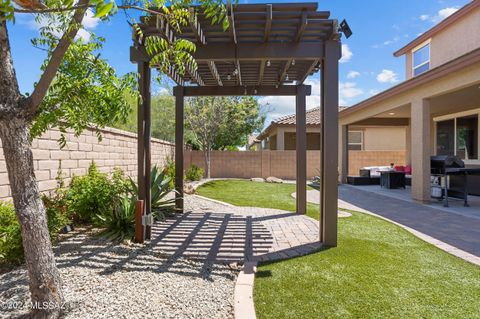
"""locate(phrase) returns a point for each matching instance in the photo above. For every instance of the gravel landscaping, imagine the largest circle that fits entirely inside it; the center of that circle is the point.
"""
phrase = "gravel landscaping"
(128, 281)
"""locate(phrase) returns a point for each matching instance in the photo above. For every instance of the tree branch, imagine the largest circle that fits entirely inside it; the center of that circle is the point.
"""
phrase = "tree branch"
(56, 58)
(53, 10)
(83, 6)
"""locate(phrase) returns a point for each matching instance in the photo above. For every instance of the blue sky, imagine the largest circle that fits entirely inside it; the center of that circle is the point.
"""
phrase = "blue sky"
(380, 27)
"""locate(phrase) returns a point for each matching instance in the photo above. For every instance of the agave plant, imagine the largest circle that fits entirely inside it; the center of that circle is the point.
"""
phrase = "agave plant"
(120, 223)
(160, 188)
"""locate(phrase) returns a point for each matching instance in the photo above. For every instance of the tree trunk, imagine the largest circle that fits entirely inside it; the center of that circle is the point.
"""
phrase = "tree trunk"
(206, 156)
(43, 274)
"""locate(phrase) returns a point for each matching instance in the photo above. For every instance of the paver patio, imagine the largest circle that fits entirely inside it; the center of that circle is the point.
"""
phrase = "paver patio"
(459, 231)
(224, 233)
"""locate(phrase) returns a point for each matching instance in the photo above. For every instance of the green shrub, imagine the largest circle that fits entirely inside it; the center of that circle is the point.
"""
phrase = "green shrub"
(169, 171)
(120, 222)
(56, 208)
(194, 173)
(11, 249)
(94, 194)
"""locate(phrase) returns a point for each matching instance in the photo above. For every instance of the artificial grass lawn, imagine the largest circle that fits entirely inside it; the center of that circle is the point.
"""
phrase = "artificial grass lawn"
(254, 194)
(378, 270)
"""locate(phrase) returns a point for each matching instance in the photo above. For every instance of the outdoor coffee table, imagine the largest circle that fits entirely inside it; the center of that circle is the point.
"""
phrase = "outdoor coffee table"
(392, 179)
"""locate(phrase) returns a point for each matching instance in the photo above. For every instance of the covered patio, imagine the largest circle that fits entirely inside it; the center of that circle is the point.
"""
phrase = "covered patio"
(440, 109)
(269, 49)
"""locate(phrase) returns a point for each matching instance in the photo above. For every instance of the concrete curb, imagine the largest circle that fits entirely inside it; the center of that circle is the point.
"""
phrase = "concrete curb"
(429, 239)
(244, 307)
(214, 200)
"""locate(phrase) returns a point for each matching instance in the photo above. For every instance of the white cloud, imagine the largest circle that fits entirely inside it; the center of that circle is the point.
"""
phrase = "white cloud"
(445, 13)
(373, 92)
(84, 35)
(353, 75)
(278, 106)
(89, 22)
(440, 15)
(387, 42)
(424, 17)
(346, 53)
(387, 76)
(348, 91)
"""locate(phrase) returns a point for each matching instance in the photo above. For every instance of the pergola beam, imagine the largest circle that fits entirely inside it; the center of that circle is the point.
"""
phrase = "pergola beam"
(261, 73)
(301, 28)
(284, 72)
(246, 52)
(310, 69)
(284, 90)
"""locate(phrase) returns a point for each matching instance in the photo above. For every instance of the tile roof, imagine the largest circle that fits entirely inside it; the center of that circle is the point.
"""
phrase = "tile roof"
(312, 115)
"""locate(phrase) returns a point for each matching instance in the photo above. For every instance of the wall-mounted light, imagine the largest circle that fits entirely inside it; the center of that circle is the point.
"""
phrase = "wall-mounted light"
(293, 62)
(391, 113)
(269, 63)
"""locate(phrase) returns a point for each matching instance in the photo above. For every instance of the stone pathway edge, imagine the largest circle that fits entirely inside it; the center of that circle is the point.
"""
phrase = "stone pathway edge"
(244, 308)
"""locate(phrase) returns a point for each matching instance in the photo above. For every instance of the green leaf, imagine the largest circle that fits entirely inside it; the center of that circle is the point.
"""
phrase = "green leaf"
(103, 9)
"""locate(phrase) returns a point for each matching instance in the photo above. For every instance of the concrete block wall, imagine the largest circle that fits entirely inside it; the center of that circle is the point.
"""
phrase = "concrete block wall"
(282, 164)
(116, 149)
(359, 159)
(231, 164)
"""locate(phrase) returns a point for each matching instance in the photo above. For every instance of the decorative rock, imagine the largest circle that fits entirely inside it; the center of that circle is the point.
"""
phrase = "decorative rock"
(273, 179)
(189, 189)
(258, 180)
(343, 214)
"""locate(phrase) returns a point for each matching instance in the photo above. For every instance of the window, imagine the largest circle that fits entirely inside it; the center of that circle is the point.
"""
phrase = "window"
(446, 137)
(421, 60)
(458, 136)
(467, 134)
(355, 140)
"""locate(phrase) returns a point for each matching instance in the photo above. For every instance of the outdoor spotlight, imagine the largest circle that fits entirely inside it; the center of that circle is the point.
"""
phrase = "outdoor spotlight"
(293, 62)
(345, 28)
(269, 63)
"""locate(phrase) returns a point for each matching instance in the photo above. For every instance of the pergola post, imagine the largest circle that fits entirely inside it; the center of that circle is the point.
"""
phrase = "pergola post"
(343, 153)
(329, 144)
(143, 135)
(179, 122)
(301, 149)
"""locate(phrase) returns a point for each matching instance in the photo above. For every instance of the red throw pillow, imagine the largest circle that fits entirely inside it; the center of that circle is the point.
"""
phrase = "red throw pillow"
(408, 170)
(399, 169)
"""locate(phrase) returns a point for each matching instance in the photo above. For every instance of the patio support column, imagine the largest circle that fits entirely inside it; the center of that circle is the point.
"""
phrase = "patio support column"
(408, 139)
(301, 149)
(179, 128)
(329, 144)
(143, 137)
(343, 153)
(420, 149)
(280, 139)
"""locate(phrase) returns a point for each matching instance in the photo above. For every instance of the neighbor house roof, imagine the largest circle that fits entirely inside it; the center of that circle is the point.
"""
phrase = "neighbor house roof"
(439, 27)
(312, 119)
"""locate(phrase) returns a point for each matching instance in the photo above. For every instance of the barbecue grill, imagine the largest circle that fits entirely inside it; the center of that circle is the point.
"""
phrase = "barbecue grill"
(448, 165)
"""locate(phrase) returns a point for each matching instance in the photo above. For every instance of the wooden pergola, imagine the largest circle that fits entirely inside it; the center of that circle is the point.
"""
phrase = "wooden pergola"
(269, 49)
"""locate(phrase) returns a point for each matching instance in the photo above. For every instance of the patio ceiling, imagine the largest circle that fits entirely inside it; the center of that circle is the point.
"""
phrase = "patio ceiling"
(266, 45)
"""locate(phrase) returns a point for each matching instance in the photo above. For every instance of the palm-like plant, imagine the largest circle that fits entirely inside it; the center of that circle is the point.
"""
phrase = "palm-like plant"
(120, 224)
(160, 188)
